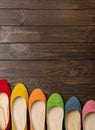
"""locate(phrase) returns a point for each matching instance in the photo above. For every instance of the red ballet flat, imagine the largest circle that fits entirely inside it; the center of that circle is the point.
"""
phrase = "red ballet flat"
(5, 88)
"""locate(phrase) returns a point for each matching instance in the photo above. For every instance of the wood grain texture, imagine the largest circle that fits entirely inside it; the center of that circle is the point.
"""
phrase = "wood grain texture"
(47, 17)
(47, 34)
(64, 69)
(48, 4)
(47, 51)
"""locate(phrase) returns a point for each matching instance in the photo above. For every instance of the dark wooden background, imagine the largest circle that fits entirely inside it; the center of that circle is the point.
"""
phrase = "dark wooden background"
(49, 44)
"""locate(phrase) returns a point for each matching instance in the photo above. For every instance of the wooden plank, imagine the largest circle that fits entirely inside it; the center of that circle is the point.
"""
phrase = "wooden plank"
(47, 34)
(47, 51)
(47, 17)
(48, 4)
(51, 85)
(65, 69)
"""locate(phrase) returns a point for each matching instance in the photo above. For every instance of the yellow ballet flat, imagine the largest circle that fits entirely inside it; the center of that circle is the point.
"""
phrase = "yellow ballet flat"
(18, 94)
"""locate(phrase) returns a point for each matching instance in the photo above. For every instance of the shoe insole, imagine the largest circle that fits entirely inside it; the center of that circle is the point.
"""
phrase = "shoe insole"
(19, 113)
(73, 120)
(4, 110)
(89, 122)
(37, 115)
(55, 118)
